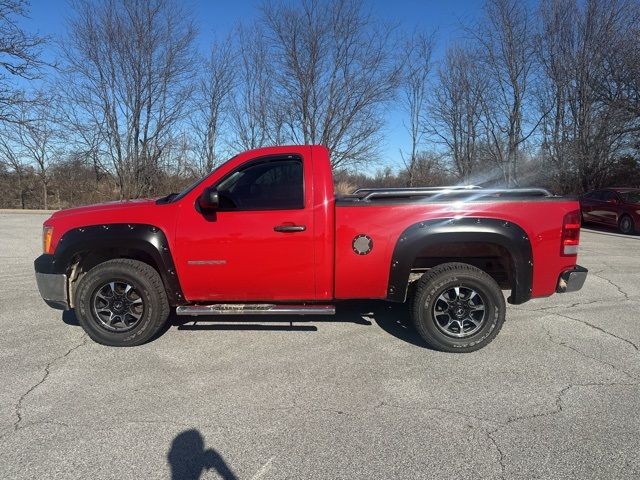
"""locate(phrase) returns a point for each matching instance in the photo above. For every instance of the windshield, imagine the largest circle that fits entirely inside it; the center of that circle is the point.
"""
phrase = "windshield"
(631, 197)
(174, 197)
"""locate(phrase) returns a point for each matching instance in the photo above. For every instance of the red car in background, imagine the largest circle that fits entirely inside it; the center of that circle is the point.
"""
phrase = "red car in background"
(615, 207)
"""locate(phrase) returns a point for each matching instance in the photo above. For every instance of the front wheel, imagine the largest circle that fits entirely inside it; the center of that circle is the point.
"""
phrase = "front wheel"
(458, 308)
(121, 303)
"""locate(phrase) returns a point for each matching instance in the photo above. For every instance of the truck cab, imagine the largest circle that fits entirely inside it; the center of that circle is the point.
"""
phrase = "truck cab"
(263, 226)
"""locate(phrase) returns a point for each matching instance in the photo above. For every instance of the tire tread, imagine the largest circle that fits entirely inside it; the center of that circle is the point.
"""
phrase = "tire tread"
(141, 270)
(425, 283)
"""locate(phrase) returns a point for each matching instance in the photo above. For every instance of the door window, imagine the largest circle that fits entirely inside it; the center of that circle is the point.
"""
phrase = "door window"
(266, 185)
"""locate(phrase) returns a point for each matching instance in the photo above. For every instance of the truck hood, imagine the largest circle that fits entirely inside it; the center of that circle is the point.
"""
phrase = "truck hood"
(143, 211)
(99, 208)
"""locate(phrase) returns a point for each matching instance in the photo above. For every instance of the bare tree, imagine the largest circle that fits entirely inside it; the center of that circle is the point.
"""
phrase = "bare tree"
(456, 109)
(555, 40)
(129, 71)
(505, 37)
(10, 157)
(254, 118)
(429, 169)
(591, 115)
(35, 138)
(334, 71)
(415, 89)
(619, 80)
(212, 99)
(19, 58)
(81, 125)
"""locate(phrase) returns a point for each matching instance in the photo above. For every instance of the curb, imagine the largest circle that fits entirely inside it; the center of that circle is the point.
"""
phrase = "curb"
(25, 211)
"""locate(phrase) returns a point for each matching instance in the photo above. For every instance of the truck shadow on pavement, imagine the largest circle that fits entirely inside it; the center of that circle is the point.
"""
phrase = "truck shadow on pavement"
(69, 317)
(188, 459)
(393, 318)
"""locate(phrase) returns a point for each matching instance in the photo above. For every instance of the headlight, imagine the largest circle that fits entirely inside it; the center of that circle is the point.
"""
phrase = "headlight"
(47, 235)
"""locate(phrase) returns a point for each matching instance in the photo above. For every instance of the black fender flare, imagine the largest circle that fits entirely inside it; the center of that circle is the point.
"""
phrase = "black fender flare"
(145, 238)
(432, 232)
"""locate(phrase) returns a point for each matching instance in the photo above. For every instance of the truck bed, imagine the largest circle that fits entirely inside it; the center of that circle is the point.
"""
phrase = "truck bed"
(384, 214)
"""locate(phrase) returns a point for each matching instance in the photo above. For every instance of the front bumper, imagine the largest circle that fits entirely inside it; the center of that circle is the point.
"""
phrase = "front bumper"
(572, 280)
(52, 286)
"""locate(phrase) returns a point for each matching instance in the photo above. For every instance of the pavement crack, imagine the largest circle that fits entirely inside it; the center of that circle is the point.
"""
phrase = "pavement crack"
(600, 329)
(552, 307)
(441, 410)
(457, 414)
(18, 409)
(580, 303)
(116, 421)
(615, 285)
(580, 352)
(461, 414)
(302, 408)
(558, 408)
(558, 402)
(503, 466)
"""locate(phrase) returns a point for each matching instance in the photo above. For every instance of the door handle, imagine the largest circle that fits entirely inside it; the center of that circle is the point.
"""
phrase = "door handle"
(289, 228)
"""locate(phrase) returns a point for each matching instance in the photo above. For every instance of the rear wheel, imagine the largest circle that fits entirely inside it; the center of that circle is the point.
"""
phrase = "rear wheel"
(626, 225)
(458, 308)
(121, 303)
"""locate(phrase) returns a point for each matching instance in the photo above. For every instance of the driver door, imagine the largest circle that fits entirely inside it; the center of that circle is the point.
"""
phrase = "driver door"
(258, 245)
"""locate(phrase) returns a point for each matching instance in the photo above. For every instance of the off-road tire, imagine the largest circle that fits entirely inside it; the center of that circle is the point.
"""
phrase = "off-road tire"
(151, 290)
(447, 276)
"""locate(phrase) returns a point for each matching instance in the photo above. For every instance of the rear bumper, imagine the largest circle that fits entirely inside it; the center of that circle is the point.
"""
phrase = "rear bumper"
(52, 286)
(572, 280)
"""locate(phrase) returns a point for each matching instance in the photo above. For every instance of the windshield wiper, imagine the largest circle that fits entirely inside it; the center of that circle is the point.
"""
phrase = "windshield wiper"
(167, 198)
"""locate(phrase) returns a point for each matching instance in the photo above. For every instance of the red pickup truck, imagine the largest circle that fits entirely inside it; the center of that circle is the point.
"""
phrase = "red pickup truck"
(264, 234)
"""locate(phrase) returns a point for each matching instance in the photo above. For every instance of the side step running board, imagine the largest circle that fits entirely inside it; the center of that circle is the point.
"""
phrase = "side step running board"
(255, 309)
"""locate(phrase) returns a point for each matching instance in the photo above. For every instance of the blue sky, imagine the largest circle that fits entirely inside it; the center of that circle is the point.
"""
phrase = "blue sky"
(217, 18)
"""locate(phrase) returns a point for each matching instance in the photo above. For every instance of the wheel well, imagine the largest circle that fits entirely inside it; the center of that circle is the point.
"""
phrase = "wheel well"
(84, 261)
(498, 247)
(492, 258)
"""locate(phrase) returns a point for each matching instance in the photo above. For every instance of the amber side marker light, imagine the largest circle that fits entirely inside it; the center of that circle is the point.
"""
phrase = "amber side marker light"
(47, 235)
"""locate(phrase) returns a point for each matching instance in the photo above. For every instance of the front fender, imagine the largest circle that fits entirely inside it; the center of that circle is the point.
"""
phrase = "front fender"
(148, 239)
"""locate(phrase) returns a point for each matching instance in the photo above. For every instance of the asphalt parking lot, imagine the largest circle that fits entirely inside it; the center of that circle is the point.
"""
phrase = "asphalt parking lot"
(556, 394)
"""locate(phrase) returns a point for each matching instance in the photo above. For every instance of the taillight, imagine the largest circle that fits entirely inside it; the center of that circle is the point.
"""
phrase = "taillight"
(47, 234)
(570, 233)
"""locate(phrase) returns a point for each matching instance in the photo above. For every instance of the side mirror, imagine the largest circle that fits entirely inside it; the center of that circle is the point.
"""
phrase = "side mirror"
(209, 200)
(613, 201)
